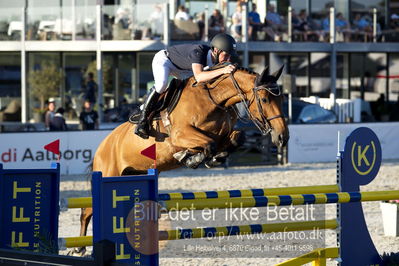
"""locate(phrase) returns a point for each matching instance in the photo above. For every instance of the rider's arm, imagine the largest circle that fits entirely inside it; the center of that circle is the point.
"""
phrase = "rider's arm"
(203, 76)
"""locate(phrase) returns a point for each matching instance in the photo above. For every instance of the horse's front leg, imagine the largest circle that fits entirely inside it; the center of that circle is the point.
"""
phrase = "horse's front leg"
(229, 145)
(196, 146)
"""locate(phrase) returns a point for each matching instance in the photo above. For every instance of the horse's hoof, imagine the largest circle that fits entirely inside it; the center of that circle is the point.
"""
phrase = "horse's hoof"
(77, 252)
(195, 160)
(217, 160)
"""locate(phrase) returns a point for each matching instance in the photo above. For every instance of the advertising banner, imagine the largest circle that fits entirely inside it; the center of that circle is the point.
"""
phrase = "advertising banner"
(26, 150)
(319, 143)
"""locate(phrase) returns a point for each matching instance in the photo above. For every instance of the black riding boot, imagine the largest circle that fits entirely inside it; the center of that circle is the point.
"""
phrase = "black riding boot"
(143, 126)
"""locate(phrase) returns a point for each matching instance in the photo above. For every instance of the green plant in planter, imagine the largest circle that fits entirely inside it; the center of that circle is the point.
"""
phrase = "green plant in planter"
(45, 82)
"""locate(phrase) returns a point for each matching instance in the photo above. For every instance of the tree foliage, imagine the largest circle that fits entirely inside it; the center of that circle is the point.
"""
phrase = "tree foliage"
(45, 82)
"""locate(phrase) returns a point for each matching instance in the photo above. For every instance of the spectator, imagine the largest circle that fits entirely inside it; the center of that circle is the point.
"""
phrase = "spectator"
(156, 21)
(274, 21)
(200, 20)
(216, 23)
(255, 23)
(88, 117)
(362, 23)
(57, 123)
(236, 27)
(182, 13)
(49, 113)
(122, 18)
(362, 27)
(91, 89)
(342, 27)
(304, 27)
(394, 24)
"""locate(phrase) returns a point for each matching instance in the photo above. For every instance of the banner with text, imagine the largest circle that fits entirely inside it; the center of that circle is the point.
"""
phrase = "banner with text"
(318, 143)
(26, 150)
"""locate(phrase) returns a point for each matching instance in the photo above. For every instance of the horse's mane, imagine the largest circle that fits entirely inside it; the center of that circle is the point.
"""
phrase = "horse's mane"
(220, 65)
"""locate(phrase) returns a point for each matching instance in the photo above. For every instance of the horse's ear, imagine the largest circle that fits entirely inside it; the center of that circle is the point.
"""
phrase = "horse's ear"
(260, 79)
(277, 74)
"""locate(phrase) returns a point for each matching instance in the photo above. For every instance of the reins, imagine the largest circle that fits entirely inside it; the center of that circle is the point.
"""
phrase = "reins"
(264, 125)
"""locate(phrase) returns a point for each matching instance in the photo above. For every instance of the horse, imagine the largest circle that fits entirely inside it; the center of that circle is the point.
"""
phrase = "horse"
(201, 127)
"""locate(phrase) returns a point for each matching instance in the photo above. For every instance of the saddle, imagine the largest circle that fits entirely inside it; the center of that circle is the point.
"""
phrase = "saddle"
(167, 101)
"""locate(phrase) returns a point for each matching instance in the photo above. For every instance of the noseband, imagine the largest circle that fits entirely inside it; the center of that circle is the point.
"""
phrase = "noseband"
(264, 124)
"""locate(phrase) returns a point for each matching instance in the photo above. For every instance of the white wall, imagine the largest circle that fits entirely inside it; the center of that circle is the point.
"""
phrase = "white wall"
(318, 143)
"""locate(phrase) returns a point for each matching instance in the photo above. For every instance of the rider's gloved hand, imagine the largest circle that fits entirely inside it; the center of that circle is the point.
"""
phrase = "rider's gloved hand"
(229, 69)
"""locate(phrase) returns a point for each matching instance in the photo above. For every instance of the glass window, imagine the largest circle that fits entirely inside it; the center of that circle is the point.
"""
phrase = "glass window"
(85, 19)
(44, 80)
(258, 62)
(10, 19)
(44, 20)
(394, 77)
(320, 83)
(367, 72)
(120, 19)
(76, 65)
(294, 64)
(319, 14)
(342, 81)
(146, 78)
(363, 9)
(10, 86)
(126, 78)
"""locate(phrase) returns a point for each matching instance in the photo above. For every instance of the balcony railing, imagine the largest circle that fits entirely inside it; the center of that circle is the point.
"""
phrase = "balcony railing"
(147, 22)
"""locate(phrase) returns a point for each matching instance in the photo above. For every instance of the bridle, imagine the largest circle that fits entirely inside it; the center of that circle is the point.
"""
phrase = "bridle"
(264, 124)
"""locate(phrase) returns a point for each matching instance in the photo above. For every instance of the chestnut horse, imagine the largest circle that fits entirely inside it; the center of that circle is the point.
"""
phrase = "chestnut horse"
(201, 127)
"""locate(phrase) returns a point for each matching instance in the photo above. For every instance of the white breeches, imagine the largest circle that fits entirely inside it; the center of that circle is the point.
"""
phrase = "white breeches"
(162, 67)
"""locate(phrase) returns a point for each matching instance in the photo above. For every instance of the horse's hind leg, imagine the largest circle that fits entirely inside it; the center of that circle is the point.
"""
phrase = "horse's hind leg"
(85, 216)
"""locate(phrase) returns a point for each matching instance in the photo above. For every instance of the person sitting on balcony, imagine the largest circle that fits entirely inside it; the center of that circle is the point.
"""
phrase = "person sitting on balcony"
(183, 61)
(156, 21)
(274, 22)
(342, 27)
(216, 23)
(236, 26)
(255, 24)
(362, 27)
(182, 13)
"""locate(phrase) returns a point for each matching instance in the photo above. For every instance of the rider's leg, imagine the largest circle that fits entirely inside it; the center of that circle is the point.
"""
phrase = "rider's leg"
(161, 70)
(143, 128)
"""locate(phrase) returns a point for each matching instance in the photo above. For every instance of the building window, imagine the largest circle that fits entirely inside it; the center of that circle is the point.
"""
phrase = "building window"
(10, 87)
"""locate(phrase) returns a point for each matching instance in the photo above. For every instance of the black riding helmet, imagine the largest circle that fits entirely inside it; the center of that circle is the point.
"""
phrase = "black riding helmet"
(226, 43)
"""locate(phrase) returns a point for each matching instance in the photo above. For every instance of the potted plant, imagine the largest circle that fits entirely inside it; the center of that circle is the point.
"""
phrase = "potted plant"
(390, 214)
(44, 83)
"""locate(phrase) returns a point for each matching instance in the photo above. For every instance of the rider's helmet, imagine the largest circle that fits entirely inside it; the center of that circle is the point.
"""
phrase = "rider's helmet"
(226, 43)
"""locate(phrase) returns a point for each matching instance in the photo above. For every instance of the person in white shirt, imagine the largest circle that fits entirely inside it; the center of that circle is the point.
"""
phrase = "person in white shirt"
(182, 13)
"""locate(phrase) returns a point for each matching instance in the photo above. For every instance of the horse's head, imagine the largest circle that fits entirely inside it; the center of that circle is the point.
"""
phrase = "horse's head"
(266, 107)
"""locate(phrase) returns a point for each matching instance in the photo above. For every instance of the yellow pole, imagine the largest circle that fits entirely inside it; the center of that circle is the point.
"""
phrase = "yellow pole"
(295, 199)
(84, 202)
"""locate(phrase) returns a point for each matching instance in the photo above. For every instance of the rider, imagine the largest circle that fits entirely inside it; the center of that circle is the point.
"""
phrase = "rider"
(183, 61)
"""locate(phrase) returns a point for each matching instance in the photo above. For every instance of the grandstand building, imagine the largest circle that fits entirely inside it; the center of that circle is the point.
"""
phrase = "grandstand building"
(357, 56)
